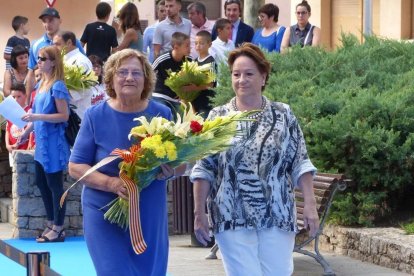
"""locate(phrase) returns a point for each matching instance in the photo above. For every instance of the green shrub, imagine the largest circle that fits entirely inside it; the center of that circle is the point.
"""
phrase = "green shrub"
(408, 227)
(356, 109)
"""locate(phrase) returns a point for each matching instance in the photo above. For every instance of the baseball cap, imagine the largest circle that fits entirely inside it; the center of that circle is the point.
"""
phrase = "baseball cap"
(49, 12)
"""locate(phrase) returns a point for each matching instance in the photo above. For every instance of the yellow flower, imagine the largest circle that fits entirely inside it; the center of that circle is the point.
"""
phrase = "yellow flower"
(160, 151)
(208, 125)
(171, 150)
(152, 142)
(139, 131)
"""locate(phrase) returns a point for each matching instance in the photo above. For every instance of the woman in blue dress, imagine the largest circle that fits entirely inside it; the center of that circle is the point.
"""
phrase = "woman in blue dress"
(129, 80)
(49, 116)
(270, 36)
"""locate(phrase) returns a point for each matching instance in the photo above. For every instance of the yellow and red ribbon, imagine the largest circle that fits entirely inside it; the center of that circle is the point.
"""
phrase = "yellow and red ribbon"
(135, 231)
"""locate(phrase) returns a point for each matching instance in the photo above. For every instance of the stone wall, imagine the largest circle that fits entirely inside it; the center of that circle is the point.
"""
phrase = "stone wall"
(5, 170)
(28, 209)
(388, 247)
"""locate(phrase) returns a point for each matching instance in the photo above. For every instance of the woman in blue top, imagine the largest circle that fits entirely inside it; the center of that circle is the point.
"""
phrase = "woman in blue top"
(129, 81)
(131, 28)
(49, 117)
(270, 36)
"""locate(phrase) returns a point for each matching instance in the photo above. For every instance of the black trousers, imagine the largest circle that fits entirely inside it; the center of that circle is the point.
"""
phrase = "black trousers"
(51, 189)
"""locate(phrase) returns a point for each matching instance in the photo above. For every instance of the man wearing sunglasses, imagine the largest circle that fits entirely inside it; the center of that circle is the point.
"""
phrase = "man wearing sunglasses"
(51, 23)
(241, 32)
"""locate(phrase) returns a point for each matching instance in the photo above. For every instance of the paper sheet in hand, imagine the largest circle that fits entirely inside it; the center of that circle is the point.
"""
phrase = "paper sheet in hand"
(12, 111)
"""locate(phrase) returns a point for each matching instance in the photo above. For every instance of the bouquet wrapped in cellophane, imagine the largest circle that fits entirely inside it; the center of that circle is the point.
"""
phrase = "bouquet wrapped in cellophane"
(157, 142)
(76, 78)
(190, 73)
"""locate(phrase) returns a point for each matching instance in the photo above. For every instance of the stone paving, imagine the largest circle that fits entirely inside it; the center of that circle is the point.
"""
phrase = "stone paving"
(185, 260)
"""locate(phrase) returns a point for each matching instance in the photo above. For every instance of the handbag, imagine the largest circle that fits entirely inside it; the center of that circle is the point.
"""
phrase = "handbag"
(73, 126)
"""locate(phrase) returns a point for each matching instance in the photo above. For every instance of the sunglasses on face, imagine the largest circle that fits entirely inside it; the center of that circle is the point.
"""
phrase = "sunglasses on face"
(39, 58)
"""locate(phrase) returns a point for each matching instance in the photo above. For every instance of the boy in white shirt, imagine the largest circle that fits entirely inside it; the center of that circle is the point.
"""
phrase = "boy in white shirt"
(222, 44)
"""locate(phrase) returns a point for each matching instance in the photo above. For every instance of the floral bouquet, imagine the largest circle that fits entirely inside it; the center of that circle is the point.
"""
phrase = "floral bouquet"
(161, 141)
(190, 73)
(76, 78)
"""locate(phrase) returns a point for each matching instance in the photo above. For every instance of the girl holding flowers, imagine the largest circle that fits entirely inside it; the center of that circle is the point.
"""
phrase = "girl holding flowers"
(129, 81)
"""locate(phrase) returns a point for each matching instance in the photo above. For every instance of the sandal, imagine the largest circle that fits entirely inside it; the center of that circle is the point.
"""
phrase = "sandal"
(59, 238)
(47, 230)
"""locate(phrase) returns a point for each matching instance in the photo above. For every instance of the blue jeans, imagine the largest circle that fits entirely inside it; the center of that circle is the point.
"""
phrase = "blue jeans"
(51, 189)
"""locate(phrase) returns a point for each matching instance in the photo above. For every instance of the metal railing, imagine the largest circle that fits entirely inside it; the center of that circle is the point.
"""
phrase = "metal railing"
(37, 263)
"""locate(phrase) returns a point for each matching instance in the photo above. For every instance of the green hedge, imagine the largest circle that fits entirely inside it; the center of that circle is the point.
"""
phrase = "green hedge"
(356, 109)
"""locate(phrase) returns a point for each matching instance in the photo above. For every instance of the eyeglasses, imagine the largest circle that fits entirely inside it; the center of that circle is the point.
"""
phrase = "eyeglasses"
(125, 73)
(39, 58)
(301, 13)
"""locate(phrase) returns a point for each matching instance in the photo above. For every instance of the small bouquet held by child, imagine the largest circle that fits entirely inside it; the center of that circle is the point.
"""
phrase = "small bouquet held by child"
(200, 77)
(158, 142)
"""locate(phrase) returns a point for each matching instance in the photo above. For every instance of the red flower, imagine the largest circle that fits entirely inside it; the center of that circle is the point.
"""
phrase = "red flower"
(195, 126)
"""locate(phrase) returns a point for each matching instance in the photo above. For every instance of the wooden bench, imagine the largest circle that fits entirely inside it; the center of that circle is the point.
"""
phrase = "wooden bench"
(324, 186)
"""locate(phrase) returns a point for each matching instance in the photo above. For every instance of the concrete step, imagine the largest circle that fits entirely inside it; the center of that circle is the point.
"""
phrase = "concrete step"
(6, 209)
(6, 231)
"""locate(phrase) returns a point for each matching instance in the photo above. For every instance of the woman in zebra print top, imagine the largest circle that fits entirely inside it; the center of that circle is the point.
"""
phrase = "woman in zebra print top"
(249, 189)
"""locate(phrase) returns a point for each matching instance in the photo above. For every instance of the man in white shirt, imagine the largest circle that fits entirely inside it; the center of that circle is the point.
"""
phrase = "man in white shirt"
(66, 40)
(197, 15)
(173, 23)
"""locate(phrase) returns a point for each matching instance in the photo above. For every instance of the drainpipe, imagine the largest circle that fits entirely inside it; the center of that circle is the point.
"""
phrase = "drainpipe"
(367, 17)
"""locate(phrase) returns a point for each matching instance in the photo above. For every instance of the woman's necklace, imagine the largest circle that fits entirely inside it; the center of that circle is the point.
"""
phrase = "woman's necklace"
(256, 115)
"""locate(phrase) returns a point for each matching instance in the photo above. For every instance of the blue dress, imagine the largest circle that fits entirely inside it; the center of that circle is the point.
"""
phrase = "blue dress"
(103, 129)
(270, 43)
(52, 149)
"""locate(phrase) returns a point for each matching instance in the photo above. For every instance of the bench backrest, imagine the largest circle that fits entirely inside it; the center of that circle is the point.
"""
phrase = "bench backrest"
(324, 186)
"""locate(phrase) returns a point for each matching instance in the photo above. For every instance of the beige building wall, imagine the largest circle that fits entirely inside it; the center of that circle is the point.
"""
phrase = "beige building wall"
(75, 14)
(396, 19)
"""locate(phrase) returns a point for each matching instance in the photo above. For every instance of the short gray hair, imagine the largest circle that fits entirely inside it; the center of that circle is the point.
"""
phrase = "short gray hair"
(198, 7)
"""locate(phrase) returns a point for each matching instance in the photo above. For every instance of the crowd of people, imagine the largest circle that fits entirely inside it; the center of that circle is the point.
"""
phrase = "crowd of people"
(248, 188)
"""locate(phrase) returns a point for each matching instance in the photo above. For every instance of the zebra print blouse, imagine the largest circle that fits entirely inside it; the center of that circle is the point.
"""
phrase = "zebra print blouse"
(252, 183)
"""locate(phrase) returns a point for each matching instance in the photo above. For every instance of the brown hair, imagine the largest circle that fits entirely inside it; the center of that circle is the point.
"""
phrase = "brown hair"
(178, 38)
(53, 54)
(205, 35)
(253, 52)
(270, 10)
(228, 2)
(114, 62)
(305, 4)
(129, 17)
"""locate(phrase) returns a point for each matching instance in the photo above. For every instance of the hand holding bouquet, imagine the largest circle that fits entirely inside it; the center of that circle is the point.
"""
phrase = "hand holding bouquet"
(157, 142)
(190, 80)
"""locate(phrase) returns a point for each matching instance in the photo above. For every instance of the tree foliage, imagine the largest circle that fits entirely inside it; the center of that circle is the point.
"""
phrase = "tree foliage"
(356, 109)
